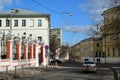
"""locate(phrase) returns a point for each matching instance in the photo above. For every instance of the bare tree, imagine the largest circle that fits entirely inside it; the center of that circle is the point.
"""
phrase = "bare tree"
(114, 3)
(53, 45)
(95, 30)
(64, 50)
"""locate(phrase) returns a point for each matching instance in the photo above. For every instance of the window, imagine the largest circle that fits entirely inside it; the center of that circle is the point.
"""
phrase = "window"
(39, 22)
(39, 38)
(108, 51)
(24, 23)
(31, 23)
(7, 23)
(0, 23)
(15, 23)
(97, 45)
(113, 51)
(96, 54)
(118, 51)
(119, 36)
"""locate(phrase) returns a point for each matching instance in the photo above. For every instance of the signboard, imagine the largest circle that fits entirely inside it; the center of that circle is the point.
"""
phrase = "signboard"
(46, 47)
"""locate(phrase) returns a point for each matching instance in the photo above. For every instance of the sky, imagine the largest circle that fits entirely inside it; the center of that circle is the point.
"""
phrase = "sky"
(85, 13)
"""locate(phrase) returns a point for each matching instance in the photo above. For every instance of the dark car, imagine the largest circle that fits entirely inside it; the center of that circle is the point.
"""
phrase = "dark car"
(54, 61)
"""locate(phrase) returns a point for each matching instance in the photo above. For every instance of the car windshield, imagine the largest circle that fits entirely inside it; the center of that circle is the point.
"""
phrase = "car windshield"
(88, 62)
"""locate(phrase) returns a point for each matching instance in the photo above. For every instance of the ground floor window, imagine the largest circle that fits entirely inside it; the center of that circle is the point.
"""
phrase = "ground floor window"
(118, 51)
(108, 50)
(113, 51)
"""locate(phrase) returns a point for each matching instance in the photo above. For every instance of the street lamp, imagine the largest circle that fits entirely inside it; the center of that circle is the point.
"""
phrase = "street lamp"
(70, 14)
(13, 11)
(1, 35)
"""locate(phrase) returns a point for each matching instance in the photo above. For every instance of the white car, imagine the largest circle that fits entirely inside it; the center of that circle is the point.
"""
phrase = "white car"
(89, 66)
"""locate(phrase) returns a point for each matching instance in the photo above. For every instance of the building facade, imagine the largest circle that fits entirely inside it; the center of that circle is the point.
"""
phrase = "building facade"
(25, 37)
(55, 42)
(111, 33)
(26, 24)
(90, 48)
(75, 54)
(57, 34)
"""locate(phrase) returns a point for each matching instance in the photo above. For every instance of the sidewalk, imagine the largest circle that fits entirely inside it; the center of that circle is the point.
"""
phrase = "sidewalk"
(106, 65)
(19, 73)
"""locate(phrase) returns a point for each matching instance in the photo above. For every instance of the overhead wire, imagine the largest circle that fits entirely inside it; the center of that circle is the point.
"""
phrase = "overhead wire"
(36, 2)
(45, 7)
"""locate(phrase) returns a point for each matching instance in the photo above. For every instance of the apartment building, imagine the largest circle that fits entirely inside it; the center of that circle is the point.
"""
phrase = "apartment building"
(57, 34)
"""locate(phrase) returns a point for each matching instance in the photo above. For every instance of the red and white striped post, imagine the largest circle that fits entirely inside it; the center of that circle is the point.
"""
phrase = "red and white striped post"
(35, 54)
(31, 51)
(43, 59)
(9, 49)
(18, 50)
(34, 50)
(25, 51)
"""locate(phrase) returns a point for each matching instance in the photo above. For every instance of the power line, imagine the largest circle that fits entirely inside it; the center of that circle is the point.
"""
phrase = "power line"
(36, 2)
(45, 7)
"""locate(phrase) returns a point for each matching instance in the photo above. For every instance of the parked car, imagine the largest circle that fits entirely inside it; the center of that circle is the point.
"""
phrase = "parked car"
(58, 61)
(89, 66)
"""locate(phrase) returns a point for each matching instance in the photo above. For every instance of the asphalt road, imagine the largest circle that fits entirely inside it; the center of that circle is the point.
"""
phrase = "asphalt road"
(69, 71)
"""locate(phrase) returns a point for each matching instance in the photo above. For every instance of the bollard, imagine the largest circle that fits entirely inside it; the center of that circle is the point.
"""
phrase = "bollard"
(16, 76)
(29, 68)
(22, 69)
(6, 70)
(114, 72)
(15, 71)
(56, 64)
(34, 66)
(46, 67)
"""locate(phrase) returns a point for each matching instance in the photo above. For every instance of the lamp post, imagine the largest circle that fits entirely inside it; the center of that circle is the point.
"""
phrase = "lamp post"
(1, 34)
(69, 13)
(11, 15)
(9, 37)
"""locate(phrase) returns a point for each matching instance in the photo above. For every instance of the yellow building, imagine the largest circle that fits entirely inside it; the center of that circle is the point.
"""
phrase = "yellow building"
(86, 47)
(75, 52)
(111, 32)
(90, 48)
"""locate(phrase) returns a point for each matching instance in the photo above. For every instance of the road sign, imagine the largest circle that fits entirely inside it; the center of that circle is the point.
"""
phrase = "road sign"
(46, 47)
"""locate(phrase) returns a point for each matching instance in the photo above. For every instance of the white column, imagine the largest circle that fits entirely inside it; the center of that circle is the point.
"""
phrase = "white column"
(11, 41)
(37, 59)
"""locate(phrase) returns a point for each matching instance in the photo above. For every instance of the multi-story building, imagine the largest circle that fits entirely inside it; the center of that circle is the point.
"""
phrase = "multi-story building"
(90, 48)
(55, 42)
(26, 24)
(75, 54)
(29, 26)
(57, 34)
(111, 32)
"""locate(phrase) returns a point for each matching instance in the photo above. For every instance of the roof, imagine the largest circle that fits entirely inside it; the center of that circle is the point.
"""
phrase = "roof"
(22, 13)
(111, 10)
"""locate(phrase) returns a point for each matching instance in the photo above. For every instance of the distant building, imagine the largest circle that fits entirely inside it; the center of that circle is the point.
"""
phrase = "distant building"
(75, 54)
(90, 48)
(57, 34)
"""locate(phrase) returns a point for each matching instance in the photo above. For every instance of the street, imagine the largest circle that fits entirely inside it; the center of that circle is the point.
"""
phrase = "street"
(68, 72)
